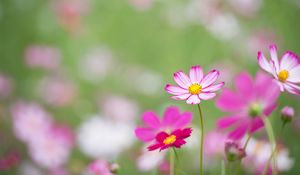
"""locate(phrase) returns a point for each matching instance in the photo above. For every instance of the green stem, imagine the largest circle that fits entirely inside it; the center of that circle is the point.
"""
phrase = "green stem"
(201, 139)
(244, 148)
(271, 136)
(172, 162)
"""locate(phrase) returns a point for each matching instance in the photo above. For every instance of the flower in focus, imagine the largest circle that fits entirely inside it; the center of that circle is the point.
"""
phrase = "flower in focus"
(195, 87)
(234, 152)
(98, 137)
(175, 139)
(100, 167)
(287, 114)
(252, 100)
(285, 71)
(44, 57)
(171, 121)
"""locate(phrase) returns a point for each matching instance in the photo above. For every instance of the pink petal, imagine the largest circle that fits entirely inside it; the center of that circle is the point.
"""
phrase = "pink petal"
(184, 120)
(239, 132)
(263, 84)
(196, 74)
(228, 121)
(263, 63)
(145, 134)
(155, 146)
(175, 90)
(294, 89)
(171, 115)
(151, 119)
(178, 143)
(213, 88)
(288, 61)
(256, 124)
(294, 75)
(274, 57)
(181, 97)
(230, 101)
(161, 136)
(185, 133)
(245, 86)
(182, 79)
(210, 78)
(269, 109)
(206, 96)
(193, 99)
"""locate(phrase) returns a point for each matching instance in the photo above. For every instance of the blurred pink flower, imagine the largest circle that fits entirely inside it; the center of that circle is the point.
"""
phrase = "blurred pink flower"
(214, 144)
(286, 72)
(248, 8)
(287, 114)
(127, 108)
(149, 160)
(9, 161)
(260, 39)
(57, 91)
(252, 100)
(6, 86)
(164, 167)
(142, 4)
(100, 167)
(44, 57)
(195, 87)
(70, 13)
(171, 121)
(30, 121)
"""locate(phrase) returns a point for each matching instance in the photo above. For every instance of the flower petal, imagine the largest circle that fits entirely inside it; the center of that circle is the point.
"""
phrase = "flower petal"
(227, 121)
(230, 101)
(294, 75)
(206, 96)
(184, 120)
(274, 57)
(288, 61)
(182, 79)
(181, 97)
(294, 89)
(175, 90)
(210, 78)
(245, 85)
(263, 63)
(263, 84)
(160, 137)
(155, 146)
(213, 88)
(178, 143)
(193, 99)
(239, 132)
(196, 74)
(151, 119)
(145, 134)
(256, 124)
(171, 115)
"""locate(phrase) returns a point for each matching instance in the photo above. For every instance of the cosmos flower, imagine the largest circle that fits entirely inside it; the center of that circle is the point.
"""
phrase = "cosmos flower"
(195, 87)
(100, 167)
(252, 100)
(175, 139)
(287, 114)
(171, 121)
(285, 71)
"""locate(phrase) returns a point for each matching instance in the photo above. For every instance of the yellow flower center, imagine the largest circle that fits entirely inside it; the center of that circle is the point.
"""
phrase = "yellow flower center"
(283, 75)
(195, 89)
(169, 140)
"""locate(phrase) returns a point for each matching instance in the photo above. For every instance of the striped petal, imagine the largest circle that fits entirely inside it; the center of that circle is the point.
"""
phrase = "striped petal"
(294, 75)
(210, 78)
(263, 63)
(193, 99)
(182, 79)
(213, 88)
(206, 96)
(274, 57)
(288, 61)
(175, 90)
(196, 74)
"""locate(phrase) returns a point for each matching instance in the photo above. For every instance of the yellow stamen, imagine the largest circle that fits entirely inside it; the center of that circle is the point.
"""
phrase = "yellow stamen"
(283, 75)
(195, 89)
(169, 140)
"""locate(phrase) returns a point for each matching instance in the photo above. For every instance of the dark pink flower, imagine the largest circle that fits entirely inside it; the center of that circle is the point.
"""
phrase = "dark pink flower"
(252, 100)
(285, 71)
(171, 121)
(175, 139)
(195, 87)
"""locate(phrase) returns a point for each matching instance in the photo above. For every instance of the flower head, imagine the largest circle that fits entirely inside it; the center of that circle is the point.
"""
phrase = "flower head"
(100, 167)
(252, 100)
(175, 139)
(285, 71)
(234, 152)
(171, 121)
(287, 113)
(195, 87)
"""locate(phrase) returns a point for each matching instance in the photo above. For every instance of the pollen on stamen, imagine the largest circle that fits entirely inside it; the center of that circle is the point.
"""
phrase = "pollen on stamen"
(195, 89)
(283, 75)
(169, 140)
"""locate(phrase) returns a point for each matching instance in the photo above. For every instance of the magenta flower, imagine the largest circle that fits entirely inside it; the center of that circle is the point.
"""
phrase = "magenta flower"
(195, 87)
(252, 100)
(175, 139)
(171, 121)
(286, 72)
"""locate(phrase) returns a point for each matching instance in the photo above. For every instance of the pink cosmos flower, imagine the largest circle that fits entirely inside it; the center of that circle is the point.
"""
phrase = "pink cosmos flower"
(171, 121)
(214, 143)
(6, 86)
(285, 71)
(252, 100)
(100, 167)
(175, 139)
(195, 87)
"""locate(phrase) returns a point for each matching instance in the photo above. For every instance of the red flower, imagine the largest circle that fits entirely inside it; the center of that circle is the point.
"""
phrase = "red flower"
(175, 139)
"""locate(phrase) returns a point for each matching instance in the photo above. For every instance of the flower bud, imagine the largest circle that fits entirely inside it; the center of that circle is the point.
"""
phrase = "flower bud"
(114, 168)
(287, 113)
(234, 152)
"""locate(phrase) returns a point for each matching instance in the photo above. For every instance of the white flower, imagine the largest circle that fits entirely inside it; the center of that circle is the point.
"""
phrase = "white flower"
(149, 160)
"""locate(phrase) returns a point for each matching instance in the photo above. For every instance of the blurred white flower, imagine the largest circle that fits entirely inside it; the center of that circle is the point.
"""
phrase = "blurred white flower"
(150, 160)
(119, 108)
(248, 8)
(6, 86)
(193, 141)
(101, 138)
(96, 64)
(44, 57)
